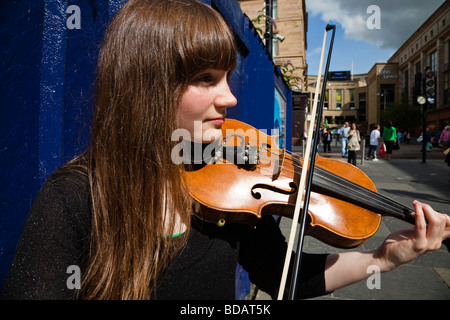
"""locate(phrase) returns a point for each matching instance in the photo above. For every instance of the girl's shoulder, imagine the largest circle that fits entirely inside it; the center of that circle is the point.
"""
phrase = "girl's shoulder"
(65, 195)
(71, 178)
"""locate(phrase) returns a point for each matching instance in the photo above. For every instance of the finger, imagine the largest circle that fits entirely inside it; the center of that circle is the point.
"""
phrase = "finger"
(420, 232)
(435, 228)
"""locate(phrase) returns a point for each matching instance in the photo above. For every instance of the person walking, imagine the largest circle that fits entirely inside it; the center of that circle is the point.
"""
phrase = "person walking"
(344, 130)
(389, 137)
(353, 146)
(373, 144)
(327, 137)
(444, 139)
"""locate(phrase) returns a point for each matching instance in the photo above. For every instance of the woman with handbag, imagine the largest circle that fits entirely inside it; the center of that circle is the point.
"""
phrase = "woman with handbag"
(354, 139)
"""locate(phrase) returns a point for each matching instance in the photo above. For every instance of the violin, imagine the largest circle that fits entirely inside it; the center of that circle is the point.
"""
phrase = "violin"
(253, 177)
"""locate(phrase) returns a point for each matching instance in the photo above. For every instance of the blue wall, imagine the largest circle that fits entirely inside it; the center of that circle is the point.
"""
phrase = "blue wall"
(46, 79)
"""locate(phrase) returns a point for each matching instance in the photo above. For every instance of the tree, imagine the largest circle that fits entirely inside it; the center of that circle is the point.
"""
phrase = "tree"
(402, 114)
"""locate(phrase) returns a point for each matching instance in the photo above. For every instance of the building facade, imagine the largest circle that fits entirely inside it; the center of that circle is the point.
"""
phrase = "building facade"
(289, 33)
(401, 78)
(345, 99)
(429, 47)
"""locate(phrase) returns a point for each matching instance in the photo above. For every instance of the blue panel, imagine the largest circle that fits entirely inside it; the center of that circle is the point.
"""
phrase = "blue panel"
(52, 88)
(80, 61)
(20, 49)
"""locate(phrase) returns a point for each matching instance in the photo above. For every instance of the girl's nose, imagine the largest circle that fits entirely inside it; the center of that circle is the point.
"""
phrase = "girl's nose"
(225, 97)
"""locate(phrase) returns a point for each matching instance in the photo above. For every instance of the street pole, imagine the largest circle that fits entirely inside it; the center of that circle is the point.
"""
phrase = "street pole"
(424, 133)
(423, 102)
(269, 31)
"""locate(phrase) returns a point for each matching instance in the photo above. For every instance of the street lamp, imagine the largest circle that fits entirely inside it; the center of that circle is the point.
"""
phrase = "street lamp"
(423, 102)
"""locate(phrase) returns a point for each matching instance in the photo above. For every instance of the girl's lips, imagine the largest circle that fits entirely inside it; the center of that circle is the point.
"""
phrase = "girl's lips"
(218, 121)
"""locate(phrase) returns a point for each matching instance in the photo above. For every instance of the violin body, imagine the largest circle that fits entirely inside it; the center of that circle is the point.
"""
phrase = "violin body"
(231, 192)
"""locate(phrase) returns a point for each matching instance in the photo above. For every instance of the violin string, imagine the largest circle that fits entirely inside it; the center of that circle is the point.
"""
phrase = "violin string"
(334, 182)
(294, 163)
(375, 198)
(364, 195)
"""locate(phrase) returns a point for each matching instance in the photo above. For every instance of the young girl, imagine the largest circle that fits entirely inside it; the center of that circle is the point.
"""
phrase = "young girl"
(119, 212)
(389, 138)
(353, 145)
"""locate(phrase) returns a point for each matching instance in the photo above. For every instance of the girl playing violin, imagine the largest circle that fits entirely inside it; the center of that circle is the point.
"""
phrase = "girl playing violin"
(120, 213)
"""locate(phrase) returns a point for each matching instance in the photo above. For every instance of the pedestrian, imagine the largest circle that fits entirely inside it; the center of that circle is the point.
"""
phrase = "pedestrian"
(327, 137)
(353, 146)
(389, 138)
(428, 136)
(343, 131)
(399, 136)
(120, 212)
(444, 139)
(373, 143)
(408, 137)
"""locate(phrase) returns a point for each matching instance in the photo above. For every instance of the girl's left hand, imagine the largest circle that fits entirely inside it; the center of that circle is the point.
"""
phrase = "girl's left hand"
(405, 245)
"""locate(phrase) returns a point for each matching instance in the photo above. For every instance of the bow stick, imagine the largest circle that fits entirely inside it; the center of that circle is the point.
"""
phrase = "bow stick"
(304, 175)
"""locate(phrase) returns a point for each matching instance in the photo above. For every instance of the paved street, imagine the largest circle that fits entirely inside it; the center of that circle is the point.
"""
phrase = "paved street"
(402, 179)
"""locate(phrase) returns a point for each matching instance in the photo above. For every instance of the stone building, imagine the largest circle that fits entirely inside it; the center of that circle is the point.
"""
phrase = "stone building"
(428, 46)
(289, 32)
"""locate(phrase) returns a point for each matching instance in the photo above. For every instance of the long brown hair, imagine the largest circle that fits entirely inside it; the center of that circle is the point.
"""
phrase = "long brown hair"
(151, 50)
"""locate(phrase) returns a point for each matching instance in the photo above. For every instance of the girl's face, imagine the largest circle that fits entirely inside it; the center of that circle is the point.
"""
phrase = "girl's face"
(204, 105)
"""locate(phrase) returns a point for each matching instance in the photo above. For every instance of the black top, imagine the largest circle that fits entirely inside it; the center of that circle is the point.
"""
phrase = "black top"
(56, 236)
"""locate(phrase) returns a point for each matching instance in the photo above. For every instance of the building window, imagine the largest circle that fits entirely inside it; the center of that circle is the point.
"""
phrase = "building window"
(352, 99)
(433, 60)
(275, 9)
(406, 85)
(338, 99)
(447, 87)
(339, 119)
(447, 77)
(362, 107)
(387, 95)
(325, 100)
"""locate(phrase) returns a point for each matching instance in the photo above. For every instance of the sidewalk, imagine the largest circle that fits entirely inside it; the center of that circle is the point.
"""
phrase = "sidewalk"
(404, 178)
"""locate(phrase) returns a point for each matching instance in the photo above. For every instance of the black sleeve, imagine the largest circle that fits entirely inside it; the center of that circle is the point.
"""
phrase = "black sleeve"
(54, 238)
(262, 254)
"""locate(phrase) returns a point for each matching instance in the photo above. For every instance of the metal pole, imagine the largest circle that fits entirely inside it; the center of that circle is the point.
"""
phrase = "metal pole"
(363, 147)
(424, 134)
(269, 31)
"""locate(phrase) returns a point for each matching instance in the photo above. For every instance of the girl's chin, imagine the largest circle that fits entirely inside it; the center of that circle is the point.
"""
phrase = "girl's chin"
(211, 134)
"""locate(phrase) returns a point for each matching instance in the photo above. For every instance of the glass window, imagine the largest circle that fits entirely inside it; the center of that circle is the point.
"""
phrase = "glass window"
(352, 98)
(275, 9)
(433, 60)
(338, 99)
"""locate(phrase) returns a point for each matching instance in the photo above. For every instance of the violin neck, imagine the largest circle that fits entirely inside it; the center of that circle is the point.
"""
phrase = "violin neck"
(340, 188)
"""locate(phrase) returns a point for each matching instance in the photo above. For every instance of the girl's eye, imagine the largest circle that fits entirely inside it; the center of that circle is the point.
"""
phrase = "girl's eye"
(204, 78)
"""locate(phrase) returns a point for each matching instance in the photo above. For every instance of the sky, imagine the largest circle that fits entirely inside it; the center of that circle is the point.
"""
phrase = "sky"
(364, 34)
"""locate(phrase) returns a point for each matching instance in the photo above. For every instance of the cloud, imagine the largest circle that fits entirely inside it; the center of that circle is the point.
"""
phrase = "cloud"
(315, 52)
(398, 18)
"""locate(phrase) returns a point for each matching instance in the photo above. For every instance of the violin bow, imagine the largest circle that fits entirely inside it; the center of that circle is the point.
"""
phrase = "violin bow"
(306, 174)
